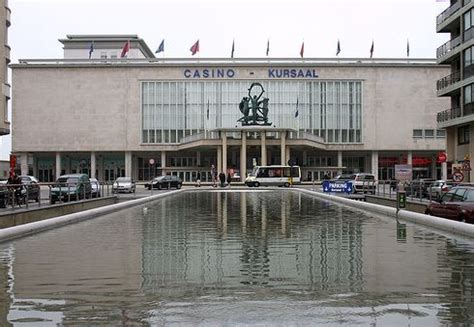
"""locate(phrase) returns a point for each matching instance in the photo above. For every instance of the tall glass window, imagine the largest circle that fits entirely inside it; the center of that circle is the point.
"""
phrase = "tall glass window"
(172, 111)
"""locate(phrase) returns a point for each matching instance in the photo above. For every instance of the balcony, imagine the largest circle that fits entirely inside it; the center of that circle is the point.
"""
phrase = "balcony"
(449, 12)
(448, 46)
(448, 80)
(447, 115)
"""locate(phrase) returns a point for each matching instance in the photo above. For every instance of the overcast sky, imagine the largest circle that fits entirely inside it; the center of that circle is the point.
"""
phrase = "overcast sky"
(38, 24)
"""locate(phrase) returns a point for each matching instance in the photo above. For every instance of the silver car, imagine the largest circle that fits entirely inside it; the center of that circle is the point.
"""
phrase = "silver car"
(124, 184)
(439, 187)
(95, 187)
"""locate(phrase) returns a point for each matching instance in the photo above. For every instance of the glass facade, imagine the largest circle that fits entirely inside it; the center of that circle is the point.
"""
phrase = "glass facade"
(177, 109)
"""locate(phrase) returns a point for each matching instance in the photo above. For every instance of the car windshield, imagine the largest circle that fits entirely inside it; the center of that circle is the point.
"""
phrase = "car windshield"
(161, 178)
(123, 179)
(67, 181)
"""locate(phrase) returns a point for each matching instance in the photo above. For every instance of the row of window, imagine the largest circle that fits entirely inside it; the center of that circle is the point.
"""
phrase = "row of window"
(173, 110)
(429, 133)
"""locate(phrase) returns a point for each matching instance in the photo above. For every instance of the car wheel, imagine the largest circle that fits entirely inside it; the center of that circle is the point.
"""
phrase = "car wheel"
(159, 186)
(3, 202)
(256, 184)
(429, 213)
(37, 199)
(53, 201)
(462, 219)
(179, 186)
(286, 184)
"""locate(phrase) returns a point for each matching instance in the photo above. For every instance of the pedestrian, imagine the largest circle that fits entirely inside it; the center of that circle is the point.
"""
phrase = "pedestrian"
(229, 179)
(222, 179)
(214, 175)
(198, 179)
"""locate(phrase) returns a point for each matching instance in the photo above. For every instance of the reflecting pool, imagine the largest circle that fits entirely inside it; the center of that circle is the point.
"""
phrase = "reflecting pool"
(237, 258)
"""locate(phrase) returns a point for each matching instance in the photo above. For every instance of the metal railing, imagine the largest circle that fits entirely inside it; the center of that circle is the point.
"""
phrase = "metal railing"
(448, 12)
(448, 114)
(448, 80)
(448, 46)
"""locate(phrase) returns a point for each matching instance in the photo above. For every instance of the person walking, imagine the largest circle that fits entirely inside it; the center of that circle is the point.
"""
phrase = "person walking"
(198, 179)
(229, 179)
(222, 179)
(214, 175)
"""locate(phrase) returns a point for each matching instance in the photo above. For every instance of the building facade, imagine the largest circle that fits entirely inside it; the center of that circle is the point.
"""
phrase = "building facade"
(457, 86)
(5, 16)
(141, 116)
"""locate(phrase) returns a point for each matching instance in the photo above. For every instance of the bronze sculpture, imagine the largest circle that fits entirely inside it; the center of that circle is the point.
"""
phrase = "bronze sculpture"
(255, 111)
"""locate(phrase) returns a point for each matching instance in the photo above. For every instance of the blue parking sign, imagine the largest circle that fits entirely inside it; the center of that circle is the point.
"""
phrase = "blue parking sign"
(337, 187)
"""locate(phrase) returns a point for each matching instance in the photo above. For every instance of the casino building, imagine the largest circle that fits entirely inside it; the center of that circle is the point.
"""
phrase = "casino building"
(143, 116)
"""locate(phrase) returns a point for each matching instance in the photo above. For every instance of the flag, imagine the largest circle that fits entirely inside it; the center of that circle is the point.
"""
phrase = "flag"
(408, 49)
(161, 48)
(125, 49)
(91, 49)
(268, 47)
(372, 49)
(338, 49)
(233, 48)
(207, 109)
(194, 48)
(296, 113)
(302, 50)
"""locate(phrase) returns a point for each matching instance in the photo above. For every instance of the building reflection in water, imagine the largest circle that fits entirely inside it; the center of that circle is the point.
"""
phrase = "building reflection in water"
(283, 242)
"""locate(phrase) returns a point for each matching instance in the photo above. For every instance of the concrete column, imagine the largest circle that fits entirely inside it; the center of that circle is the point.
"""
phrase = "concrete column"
(409, 157)
(24, 163)
(444, 170)
(198, 158)
(375, 164)
(263, 148)
(163, 163)
(287, 154)
(58, 165)
(101, 176)
(339, 162)
(243, 158)
(224, 152)
(282, 148)
(93, 165)
(128, 163)
(35, 166)
(219, 160)
(305, 157)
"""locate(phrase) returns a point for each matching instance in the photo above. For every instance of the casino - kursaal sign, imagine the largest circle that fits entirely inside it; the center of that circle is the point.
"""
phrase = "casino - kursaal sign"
(231, 73)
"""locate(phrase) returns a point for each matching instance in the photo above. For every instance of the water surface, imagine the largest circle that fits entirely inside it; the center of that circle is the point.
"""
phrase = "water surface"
(237, 258)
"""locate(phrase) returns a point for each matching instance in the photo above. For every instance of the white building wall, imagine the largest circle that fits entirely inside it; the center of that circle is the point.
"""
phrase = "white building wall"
(98, 108)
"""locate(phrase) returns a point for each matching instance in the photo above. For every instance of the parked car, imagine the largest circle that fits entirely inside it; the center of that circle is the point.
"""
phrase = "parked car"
(95, 188)
(439, 187)
(167, 181)
(4, 194)
(124, 184)
(419, 187)
(31, 187)
(457, 204)
(71, 187)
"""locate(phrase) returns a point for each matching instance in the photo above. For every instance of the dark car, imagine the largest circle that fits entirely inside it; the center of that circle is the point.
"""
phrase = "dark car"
(31, 187)
(167, 181)
(4, 194)
(71, 187)
(457, 204)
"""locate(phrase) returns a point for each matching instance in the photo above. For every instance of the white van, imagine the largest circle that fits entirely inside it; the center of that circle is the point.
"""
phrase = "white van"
(274, 176)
